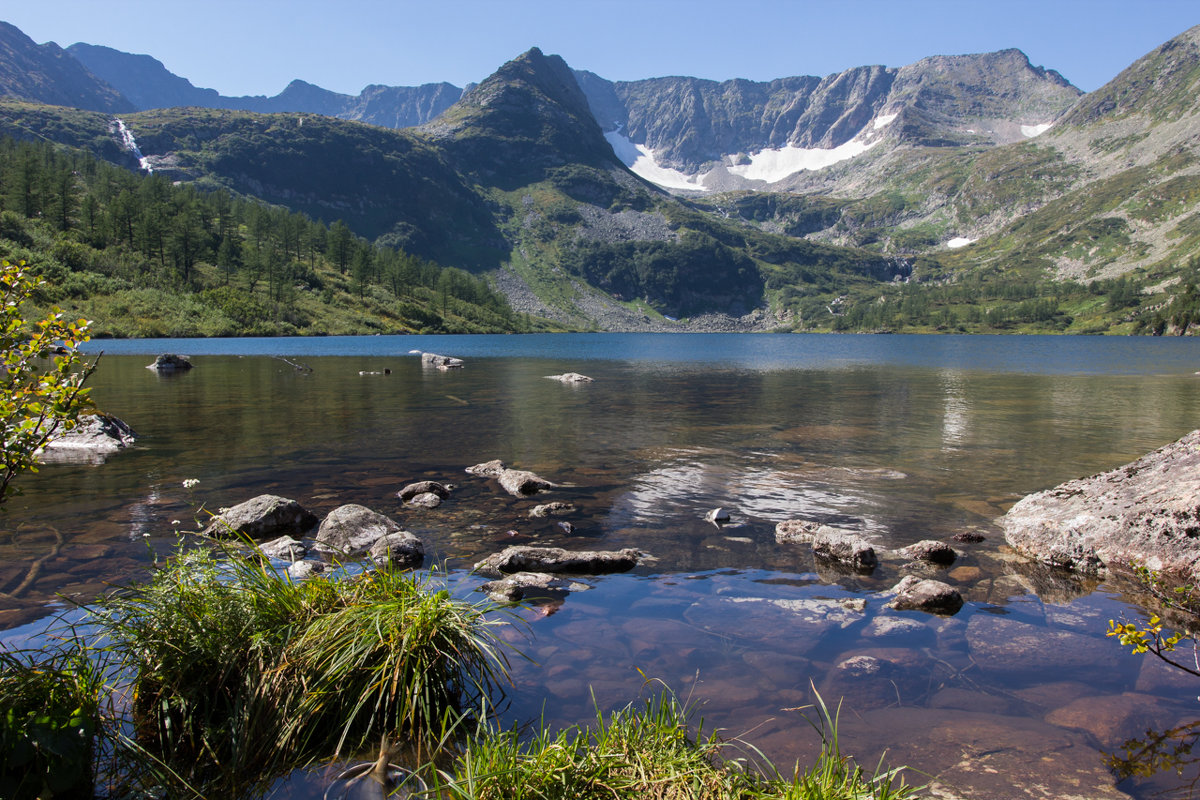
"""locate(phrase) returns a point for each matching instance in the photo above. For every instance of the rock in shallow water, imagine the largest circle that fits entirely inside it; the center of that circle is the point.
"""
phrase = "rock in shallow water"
(524, 558)
(350, 530)
(263, 517)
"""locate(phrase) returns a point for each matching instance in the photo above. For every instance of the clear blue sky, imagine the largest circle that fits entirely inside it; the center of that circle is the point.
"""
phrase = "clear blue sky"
(257, 46)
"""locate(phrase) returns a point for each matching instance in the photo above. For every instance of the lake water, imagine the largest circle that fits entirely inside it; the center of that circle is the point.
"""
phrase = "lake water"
(904, 437)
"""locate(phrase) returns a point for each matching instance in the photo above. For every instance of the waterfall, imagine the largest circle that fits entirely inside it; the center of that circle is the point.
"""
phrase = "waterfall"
(129, 143)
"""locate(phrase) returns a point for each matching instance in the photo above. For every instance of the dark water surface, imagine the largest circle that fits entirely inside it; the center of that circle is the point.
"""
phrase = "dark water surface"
(906, 437)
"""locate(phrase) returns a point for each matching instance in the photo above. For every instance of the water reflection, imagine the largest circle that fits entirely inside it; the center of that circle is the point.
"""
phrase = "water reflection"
(743, 624)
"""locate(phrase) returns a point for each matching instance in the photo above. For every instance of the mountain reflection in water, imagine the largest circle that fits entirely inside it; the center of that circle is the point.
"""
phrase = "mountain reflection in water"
(902, 438)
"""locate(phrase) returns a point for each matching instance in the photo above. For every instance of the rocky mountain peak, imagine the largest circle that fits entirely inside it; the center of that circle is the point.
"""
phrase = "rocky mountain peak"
(45, 73)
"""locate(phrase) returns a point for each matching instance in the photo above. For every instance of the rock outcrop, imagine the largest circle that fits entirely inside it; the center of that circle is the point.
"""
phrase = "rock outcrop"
(1144, 513)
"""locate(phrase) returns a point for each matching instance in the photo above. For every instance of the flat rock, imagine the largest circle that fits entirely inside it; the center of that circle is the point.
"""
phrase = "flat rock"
(1146, 512)
(570, 377)
(94, 438)
(530, 585)
(350, 530)
(1113, 718)
(488, 469)
(264, 517)
(801, 531)
(525, 558)
(399, 548)
(557, 508)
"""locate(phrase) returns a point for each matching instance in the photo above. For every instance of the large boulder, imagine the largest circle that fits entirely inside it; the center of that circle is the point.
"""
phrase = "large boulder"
(94, 438)
(526, 558)
(351, 530)
(399, 548)
(1145, 513)
(441, 362)
(265, 517)
(170, 362)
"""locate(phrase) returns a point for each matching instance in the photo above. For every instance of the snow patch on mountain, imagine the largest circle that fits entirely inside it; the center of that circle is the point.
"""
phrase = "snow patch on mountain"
(959, 241)
(640, 160)
(775, 165)
(883, 120)
(1029, 131)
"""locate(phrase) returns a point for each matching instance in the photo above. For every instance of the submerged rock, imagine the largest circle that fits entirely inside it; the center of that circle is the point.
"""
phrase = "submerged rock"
(92, 440)
(526, 558)
(351, 530)
(1146, 513)
(170, 362)
(263, 517)
(557, 508)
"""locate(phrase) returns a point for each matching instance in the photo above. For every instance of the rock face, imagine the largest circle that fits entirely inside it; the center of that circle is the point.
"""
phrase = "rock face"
(351, 530)
(1146, 513)
(264, 517)
(524, 558)
(91, 440)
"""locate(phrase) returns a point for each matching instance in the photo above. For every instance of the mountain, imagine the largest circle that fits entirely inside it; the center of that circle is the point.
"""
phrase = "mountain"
(47, 74)
(149, 85)
(698, 135)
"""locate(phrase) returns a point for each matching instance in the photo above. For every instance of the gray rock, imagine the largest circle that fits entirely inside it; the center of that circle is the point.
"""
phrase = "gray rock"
(264, 517)
(488, 469)
(441, 362)
(796, 530)
(423, 487)
(886, 627)
(845, 548)
(94, 438)
(570, 377)
(557, 508)
(717, 516)
(1146, 512)
(350, 530)
(301, 570)
(426, 500)
(930, 596)
(525, 558)
(400, 548)
(529, 585)
(170, 362)
(285, 548)
(932, 551)
(522, 483)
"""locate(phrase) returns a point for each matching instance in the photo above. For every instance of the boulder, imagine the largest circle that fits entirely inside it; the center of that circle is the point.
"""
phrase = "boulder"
(423, 487)
(526, 558)
(400, 548)
(170, 362)
(264, 517)
(426, 500)
(441, 362)
(930, 596)
(94, 438)
(932, 551)
(570, 377)
(350, 530)
(845, 548)
(1146, 513)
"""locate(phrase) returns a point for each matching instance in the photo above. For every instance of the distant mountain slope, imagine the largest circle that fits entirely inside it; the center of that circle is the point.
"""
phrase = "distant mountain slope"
(150, 85)
(743, 134)
(47, 74)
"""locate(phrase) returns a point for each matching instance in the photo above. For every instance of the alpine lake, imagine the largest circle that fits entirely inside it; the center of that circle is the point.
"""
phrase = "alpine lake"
(902, 437)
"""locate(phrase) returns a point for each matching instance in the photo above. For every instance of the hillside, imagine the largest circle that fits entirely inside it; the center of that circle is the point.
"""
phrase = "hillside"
(47, 74)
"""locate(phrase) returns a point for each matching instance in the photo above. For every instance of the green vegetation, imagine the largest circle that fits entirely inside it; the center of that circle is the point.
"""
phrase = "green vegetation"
(49, 718)
(41, 375)
(143, 257)
(649, 751)
(239, 670)
(1152, 636)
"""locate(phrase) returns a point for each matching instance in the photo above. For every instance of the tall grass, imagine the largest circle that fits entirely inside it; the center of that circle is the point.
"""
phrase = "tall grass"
(647, 753)
(236, 669)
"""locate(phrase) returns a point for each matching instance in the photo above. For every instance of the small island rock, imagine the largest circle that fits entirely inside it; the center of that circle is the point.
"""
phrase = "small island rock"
(170, 362)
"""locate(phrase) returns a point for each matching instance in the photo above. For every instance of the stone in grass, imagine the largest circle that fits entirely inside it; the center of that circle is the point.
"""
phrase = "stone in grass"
(285, 548)
(400, 549)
